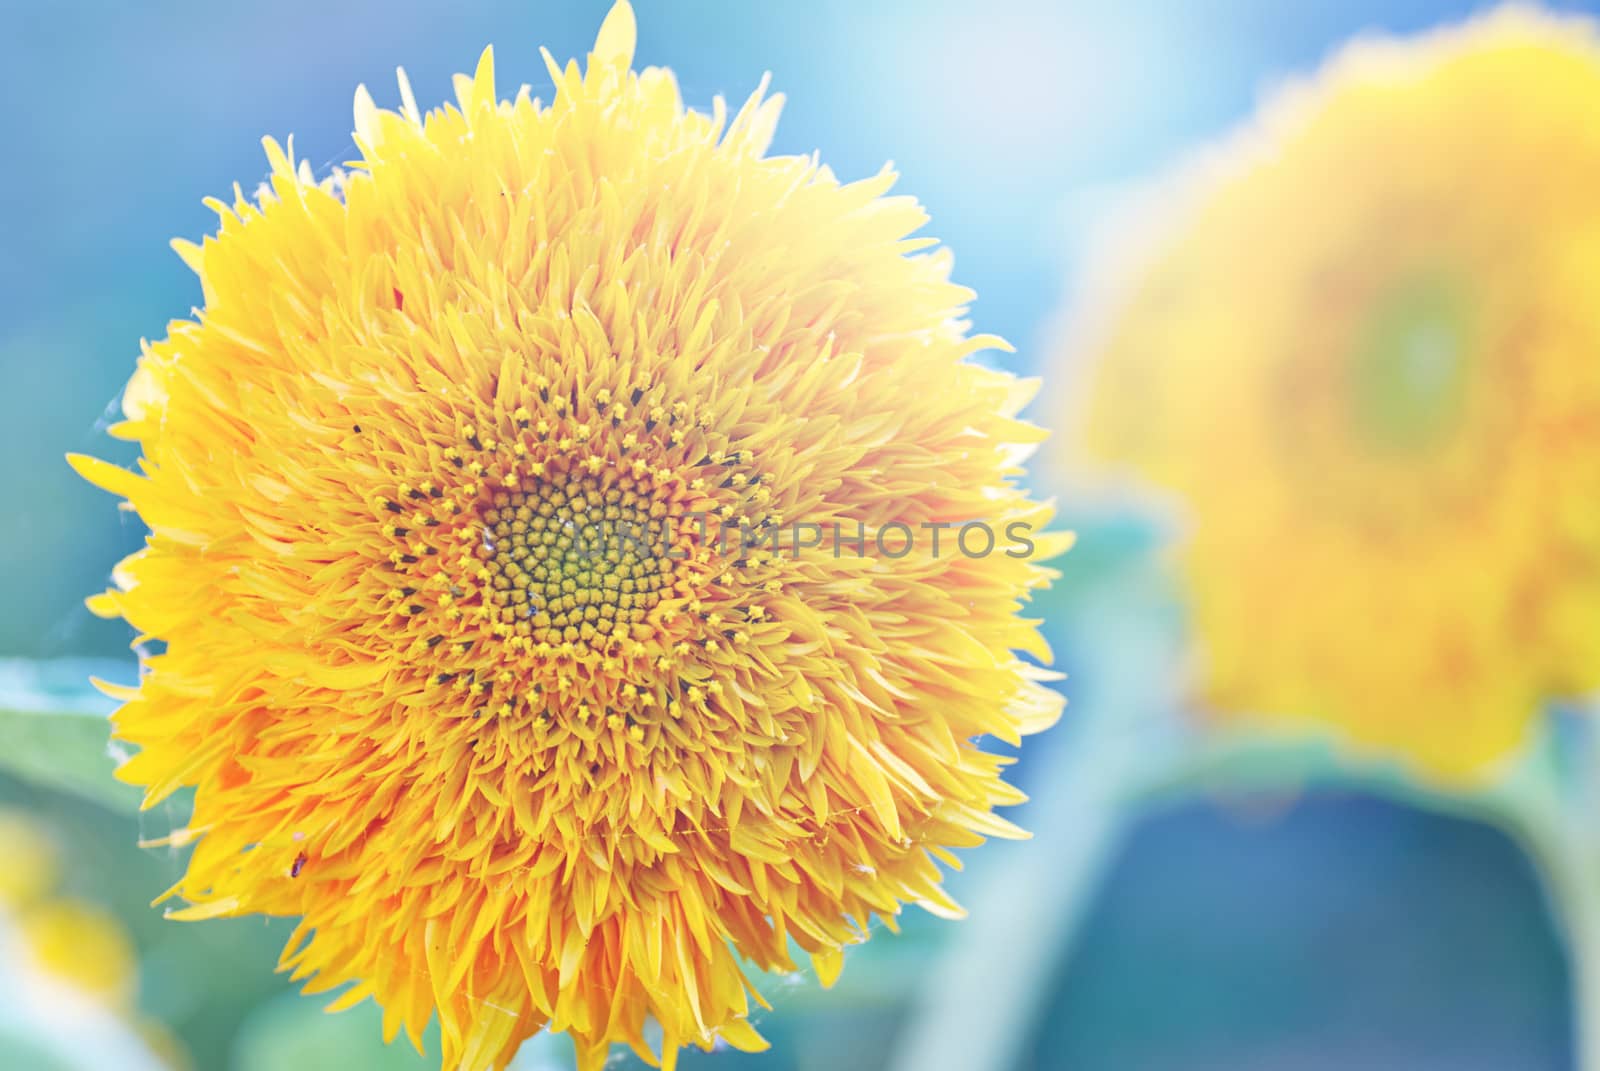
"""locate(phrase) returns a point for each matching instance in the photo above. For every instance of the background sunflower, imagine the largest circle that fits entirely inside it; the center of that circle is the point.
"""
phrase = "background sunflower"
(1362, 358)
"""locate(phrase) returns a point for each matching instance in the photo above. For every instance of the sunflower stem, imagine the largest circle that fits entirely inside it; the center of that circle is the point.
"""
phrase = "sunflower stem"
(1552, 817)
(1581, 914)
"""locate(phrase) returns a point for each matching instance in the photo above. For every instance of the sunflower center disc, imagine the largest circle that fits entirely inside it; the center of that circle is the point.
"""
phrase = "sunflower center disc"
(573, 560)
(1413, 366)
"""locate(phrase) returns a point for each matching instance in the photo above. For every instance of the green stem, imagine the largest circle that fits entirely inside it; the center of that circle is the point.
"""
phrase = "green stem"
(1555, 834)
(1579, 896)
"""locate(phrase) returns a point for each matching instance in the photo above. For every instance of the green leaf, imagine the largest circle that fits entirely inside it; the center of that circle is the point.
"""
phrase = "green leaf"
(53, 728)
(67, 752)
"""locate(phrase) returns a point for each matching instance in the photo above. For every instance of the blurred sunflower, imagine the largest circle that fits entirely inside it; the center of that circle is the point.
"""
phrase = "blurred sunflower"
(460, 658)
(1367, 357)
(68, 975)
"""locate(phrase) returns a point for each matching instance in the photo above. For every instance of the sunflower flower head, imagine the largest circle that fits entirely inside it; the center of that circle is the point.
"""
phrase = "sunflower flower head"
(507, 501)
(1364, 357)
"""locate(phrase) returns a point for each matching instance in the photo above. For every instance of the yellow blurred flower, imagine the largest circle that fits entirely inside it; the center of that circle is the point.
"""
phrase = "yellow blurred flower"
(82, 945)
(457, 656)
(67, 964)
(1367, 357)
(66, 939)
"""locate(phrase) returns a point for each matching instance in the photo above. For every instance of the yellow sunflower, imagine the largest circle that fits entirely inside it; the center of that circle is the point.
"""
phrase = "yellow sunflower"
(1366, 354)
(527, 518)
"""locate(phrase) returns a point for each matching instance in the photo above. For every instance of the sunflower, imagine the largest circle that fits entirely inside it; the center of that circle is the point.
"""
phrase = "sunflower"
(1364, 350)
(528, 514)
